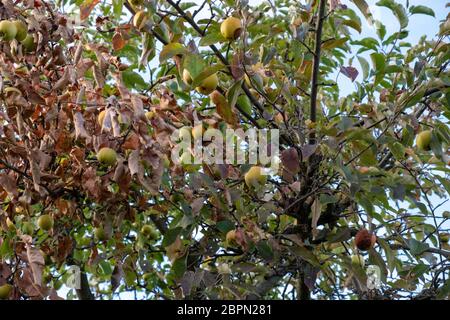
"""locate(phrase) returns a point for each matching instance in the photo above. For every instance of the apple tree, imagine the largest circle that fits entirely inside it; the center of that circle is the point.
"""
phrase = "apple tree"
(92, 91)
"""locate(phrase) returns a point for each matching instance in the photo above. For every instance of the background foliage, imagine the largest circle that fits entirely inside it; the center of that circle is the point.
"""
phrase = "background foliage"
(348, 162)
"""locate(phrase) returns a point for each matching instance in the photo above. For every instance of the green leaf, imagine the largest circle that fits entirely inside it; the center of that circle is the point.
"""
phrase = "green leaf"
(329, 45)
(365, 66)
(233, 93)
(356, 25)
(398, 150)
(444, 291)
(397, 9)
(133, 80)
(179, 267)
(206, 73)
(195, 64)
(170, 236)
(421, 10)
(364, 8)
(264, 250)
(211, 38)
(390, 256)
(417, 247)
(305, 254)
(105, 268)
(170, 50)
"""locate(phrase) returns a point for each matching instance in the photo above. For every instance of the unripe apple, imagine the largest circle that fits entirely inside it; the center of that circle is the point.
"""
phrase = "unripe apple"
(100, 234)
(8, 30)
(230, 238)
(22, 30)
(140, 19)
(197, 132)
(28, 43)
(5, 291)
(101, 117)
(358, 260)
(255, 177)
(365, 240)
(231, 28)
(149, 232)
(107, 156)
(444, 237)
(45, 222)
(208, 85)
(423, 140)
(446, 214)
(27, 228)
(187, 77)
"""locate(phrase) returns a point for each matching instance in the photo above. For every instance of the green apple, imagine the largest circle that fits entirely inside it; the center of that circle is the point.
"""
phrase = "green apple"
(208, 84)
(5, 291)
(107, 156)
(8, 30)
(423, 140)
(149, 232)
(45, 222)
(28, 43)
(22, 30)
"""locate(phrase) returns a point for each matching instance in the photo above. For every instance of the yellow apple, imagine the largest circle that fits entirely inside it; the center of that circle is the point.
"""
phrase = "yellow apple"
(208, 85)
(5, 291)
(107, 156)
(22, 30)
(45, 222)
(231, 28)
(101, 117)
(230, 238)
(423, 140)
(8, 30)
(255, 177)
(140, 19)
(187, 77)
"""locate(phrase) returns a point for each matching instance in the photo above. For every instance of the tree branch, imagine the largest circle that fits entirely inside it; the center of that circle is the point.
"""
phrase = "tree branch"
(316, 68)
